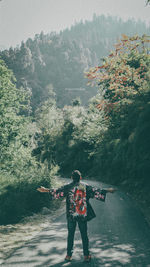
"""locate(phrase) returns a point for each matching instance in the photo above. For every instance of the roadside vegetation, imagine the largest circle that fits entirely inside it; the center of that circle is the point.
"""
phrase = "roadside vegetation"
(20, 173)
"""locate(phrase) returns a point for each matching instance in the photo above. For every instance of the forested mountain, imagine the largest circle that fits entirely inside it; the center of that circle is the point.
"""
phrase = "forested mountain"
(58, 61)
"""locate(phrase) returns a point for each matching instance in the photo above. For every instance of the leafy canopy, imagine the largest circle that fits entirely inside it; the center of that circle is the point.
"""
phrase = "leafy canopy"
(124, 74)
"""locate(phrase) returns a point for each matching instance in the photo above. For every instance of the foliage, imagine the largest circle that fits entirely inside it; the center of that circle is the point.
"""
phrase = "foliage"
(49, 121)
(14, 137)
(20, 173)
(19, 197)
(124, 84)
(124, 74)
(61, 137)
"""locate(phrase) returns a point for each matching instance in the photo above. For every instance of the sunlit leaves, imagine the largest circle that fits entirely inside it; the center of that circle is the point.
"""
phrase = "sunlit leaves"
(124, 73)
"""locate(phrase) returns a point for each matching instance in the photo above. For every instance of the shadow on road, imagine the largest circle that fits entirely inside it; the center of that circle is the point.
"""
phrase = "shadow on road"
(119, 236)
(49, 249)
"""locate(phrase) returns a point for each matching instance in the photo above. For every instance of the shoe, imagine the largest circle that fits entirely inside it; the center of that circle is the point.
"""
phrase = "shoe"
(68, 258)
(87, 258)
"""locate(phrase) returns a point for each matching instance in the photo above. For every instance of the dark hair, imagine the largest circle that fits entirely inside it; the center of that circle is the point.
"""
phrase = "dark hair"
(76, 176)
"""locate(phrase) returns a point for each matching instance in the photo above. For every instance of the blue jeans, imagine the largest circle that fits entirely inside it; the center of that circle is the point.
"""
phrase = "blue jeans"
(71, 231)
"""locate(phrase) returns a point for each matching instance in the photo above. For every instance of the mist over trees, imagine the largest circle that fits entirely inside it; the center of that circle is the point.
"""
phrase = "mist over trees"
(61, 59)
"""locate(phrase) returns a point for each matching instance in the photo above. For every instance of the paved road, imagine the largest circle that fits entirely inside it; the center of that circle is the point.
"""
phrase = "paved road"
(119, 236)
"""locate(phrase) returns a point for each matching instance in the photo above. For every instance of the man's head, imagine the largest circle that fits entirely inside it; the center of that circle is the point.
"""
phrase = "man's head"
(76, 176)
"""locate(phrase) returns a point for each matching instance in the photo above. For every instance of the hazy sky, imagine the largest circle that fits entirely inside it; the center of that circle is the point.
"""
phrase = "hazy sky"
(21, 19)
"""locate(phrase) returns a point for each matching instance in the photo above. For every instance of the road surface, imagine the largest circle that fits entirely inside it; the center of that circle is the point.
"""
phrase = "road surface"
(119, 236)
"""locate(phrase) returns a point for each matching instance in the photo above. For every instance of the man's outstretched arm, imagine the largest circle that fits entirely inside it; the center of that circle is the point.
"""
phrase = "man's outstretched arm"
(55, 193)
(99, 194)
(60, 192)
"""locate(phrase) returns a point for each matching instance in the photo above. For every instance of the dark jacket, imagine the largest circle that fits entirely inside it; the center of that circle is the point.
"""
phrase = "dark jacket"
(77, 197)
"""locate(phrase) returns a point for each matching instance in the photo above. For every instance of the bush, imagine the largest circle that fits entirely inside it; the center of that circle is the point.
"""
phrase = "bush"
(19, 197)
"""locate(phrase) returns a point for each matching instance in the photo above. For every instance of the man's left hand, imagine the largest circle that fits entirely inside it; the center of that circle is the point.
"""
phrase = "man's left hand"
(111, 190)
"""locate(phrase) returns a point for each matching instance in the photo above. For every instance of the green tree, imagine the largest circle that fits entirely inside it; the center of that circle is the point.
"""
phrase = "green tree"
(14, 134)
(20, 173)
(124, 74)
(124, 95)
(49, 121)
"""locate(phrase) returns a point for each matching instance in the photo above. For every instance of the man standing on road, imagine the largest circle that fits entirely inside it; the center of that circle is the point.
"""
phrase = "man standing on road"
(78, 209)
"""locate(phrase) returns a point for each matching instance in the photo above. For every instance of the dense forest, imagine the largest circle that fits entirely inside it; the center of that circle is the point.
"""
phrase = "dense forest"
(45, 130)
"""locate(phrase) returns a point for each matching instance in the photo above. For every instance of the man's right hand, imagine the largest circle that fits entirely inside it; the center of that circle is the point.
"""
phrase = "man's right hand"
(42, 189)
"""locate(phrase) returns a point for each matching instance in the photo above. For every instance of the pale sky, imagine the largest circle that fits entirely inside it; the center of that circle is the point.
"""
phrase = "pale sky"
(21, 19)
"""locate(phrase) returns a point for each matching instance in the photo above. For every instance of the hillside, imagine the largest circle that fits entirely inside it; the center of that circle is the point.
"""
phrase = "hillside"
(58, 61)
